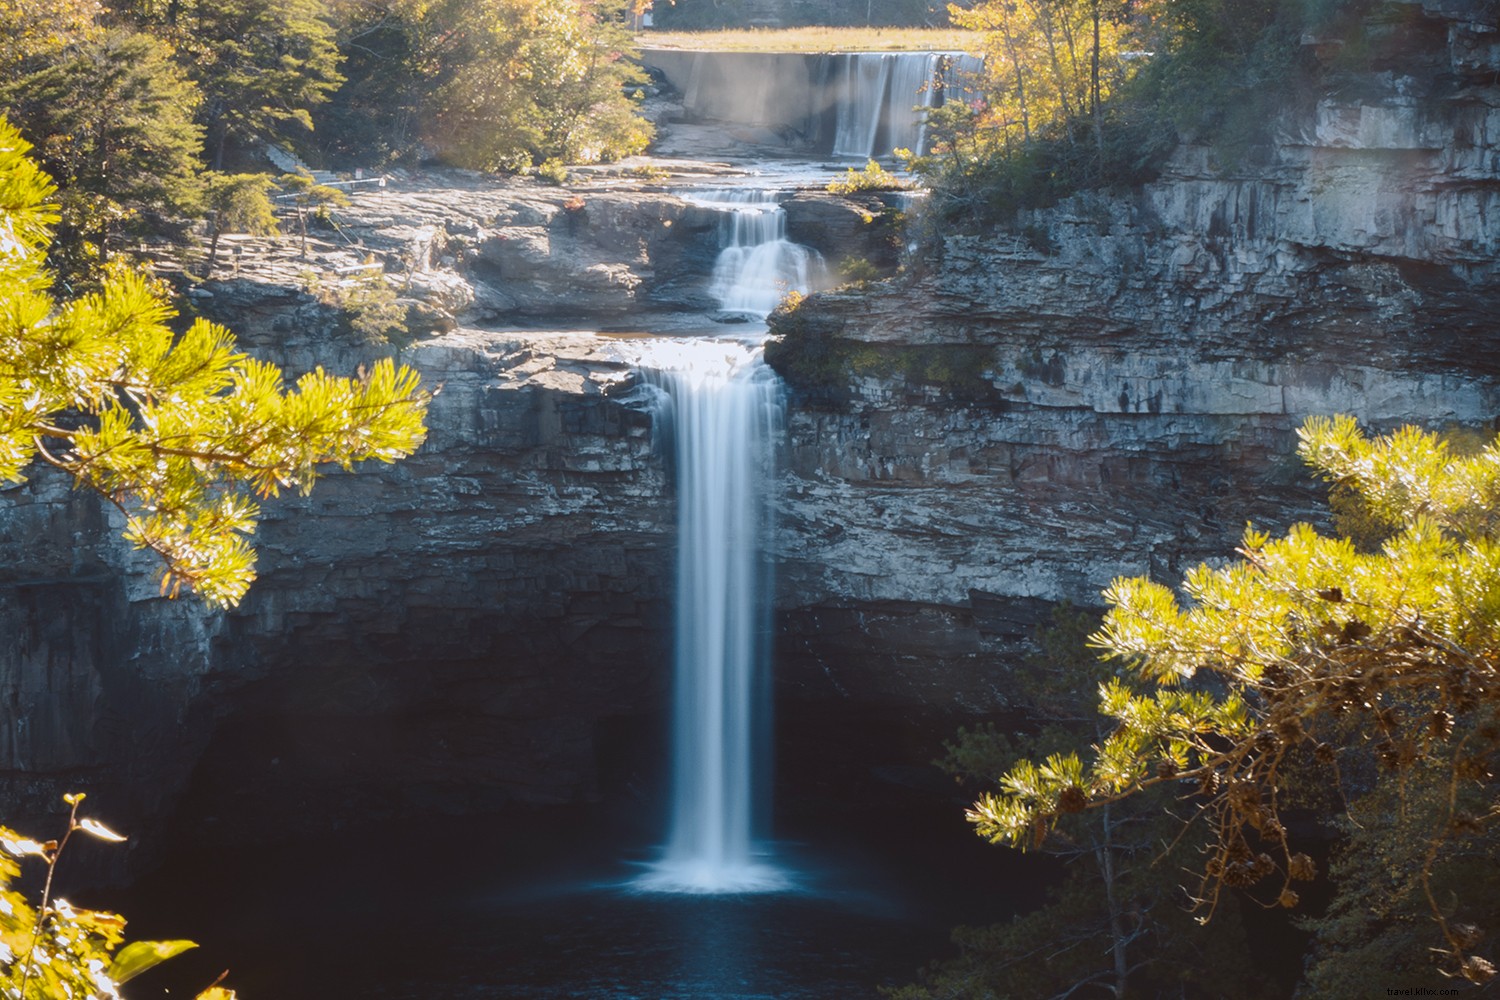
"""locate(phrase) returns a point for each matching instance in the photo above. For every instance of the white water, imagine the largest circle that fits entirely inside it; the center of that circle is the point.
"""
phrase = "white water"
(865, 78)
(722, 407)
(757, 265)
(883, 97)
(914, 89)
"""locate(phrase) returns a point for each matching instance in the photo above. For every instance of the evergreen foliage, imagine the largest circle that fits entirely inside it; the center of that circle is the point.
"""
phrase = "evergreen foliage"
(237, 203)
(497, 85)
(1116, 924)
(180, 432)
(263, 66)
(125, 102)
(370, 306)
(112, 121)
(1377, 670)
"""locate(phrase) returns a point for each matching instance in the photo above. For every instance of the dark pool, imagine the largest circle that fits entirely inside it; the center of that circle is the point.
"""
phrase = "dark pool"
(539, 904)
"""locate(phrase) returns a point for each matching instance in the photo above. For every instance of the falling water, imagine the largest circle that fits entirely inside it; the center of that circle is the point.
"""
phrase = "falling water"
(862, 103)
(757, 265)
(883, 97)
(722, 408)
(914, 89)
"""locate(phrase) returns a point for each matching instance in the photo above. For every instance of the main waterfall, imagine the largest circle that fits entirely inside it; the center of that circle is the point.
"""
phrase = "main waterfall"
(721, 407)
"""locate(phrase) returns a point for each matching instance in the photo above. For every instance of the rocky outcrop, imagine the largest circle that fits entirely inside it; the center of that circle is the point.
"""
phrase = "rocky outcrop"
(1112, 386)
(450, 633)
(445, 634)
(466, 250)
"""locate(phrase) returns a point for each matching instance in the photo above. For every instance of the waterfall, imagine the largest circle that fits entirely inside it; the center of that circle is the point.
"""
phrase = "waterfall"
(914, 89)
(721, 406)
(963, 78)
(883, 97)
(757, 265)
(864, 82)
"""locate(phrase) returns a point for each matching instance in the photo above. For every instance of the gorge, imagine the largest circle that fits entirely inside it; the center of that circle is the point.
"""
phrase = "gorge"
(1110, 387)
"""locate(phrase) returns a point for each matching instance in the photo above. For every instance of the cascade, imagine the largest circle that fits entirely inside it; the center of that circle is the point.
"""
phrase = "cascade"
(914, 89)
(757, 265)
(863, 85)
(882, 97)
(722, 408)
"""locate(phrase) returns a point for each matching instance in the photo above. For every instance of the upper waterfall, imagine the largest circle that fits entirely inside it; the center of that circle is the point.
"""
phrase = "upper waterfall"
(885, 95)
(857, 104)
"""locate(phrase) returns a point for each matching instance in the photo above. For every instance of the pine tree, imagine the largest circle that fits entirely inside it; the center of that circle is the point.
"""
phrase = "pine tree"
(1116, 924)
(1380, 670)
(112, 121)
(182, 433)
(263, 66)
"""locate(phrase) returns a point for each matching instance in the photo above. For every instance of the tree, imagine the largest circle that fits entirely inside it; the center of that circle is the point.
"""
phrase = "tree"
(180, 432)
(309, 197)
(32, 35)
(1052, 62)
(237, 203)
(1379, 668)
(112, 121)
(263, 66)
(518, 82)
(1115, 925)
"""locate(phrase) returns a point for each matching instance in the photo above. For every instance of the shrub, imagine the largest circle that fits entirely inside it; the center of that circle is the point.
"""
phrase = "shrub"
(873, 177)
(553, 172)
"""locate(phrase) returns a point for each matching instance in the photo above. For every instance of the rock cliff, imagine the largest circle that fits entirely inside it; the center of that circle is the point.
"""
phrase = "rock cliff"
(463, 629)
(445, 634)
(1111, 386)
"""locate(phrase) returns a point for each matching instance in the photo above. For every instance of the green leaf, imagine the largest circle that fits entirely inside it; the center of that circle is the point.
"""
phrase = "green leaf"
(138, 956)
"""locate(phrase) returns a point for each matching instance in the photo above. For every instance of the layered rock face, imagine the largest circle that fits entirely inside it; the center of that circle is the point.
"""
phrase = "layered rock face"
(1113, 386)
(445, 634)
(450, 633)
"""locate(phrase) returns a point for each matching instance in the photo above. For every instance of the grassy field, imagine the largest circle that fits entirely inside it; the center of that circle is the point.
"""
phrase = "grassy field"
(815, 40)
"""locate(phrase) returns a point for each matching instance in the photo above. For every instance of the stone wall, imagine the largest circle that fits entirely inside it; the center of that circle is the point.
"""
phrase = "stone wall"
(444, 634)
(1112, 386)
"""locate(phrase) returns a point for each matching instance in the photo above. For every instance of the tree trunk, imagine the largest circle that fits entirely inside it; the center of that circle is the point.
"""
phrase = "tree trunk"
(1094, 80)
(1116, 918)
(1015, 61)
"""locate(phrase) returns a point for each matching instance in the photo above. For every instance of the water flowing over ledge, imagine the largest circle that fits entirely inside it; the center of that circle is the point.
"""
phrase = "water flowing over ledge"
(721, 409)
(757, 265)
(856, 104)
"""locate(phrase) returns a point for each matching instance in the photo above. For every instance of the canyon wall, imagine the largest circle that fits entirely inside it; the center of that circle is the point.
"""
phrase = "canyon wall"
(485, 622)
(444, 635)
(1112, 385)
